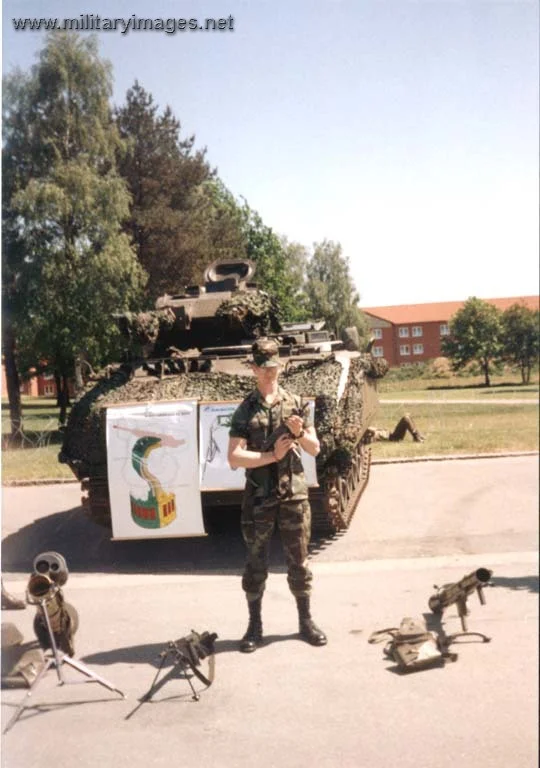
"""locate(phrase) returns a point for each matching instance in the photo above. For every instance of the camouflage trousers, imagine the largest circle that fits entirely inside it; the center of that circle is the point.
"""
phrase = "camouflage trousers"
(258, 521)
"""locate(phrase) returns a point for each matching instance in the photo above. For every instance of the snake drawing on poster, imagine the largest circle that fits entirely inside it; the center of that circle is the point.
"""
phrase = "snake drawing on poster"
(153, 470)
(215, 472)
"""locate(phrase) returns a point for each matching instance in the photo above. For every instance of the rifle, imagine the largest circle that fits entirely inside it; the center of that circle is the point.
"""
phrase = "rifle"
(458, 593)
(283, 429)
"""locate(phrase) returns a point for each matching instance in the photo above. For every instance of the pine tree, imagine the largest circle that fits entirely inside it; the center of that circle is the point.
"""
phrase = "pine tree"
(182, 218)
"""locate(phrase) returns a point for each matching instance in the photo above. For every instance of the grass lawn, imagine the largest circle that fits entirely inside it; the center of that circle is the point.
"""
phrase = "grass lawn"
(34, 464)
(40, 414)
(507, 387)
(460, 428)
(450, 428)
(38, 458)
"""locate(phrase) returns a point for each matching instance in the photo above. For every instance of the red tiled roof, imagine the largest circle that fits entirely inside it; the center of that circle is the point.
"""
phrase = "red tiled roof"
(439, 311)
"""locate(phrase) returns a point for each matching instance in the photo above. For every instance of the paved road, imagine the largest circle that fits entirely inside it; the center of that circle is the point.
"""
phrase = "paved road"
(469, 401)
(289, 704)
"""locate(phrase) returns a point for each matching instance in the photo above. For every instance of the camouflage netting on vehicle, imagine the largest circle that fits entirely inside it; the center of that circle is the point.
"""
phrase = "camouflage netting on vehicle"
(256, 312)
(142, 328)
(339, 425)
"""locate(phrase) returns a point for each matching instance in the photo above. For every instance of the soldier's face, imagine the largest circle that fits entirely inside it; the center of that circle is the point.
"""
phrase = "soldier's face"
(266, 375)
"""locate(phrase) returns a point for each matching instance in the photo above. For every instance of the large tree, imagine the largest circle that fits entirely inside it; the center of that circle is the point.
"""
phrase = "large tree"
(19, 159)
(475, 334)
(76, 266)
(521, 338)
(181, 217)
(331, 292)
(279, 265)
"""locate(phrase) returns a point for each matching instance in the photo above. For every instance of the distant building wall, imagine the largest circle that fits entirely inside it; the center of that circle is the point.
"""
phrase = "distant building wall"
(40, 385)
(414, 333)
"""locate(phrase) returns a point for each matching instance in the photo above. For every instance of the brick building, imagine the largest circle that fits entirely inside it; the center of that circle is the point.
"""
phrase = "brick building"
(413, 333)
(41, 385)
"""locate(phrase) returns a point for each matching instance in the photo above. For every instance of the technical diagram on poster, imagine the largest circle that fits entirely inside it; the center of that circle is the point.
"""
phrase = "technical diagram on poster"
(215, 472)
(152, 466)
(214, 424)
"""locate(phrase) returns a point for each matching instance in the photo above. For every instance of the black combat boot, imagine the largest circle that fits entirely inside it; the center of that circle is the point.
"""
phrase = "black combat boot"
(309, 631)
(254, 633)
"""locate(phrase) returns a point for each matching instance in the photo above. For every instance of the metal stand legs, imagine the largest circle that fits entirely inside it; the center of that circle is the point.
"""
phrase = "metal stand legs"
(57, 660)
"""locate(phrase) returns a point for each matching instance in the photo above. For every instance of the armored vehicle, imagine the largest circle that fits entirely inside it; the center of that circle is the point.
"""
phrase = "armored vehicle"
(195, 345)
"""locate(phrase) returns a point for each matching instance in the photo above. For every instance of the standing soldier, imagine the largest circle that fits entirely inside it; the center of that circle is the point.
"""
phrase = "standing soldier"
(276, 489)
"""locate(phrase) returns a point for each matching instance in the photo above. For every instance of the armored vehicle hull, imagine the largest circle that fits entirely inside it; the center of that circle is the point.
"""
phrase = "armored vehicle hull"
(181, 354)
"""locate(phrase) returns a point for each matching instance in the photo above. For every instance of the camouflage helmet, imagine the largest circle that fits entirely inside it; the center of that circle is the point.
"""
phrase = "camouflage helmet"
(265, 353)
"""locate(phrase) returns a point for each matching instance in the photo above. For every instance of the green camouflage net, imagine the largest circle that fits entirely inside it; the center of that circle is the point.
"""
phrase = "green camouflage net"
(339, 425)
(256, 313)
(142, 329)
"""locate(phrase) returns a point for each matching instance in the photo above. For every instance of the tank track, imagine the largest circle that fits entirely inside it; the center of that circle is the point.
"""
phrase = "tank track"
(334, 508)
(95, 499)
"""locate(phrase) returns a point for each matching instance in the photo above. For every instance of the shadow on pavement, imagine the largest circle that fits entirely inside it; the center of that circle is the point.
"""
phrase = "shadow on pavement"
(150, 653)
(530, 583)
(88, 548)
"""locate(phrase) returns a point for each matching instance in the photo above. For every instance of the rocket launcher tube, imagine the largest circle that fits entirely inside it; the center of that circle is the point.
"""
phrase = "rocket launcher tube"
(458, 593)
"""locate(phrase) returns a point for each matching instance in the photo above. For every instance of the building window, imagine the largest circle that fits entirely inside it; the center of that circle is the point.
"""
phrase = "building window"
(417, 330)
(377, 333)
(445, 330)
(377, 351)
(404, 349)
(418, 349)
(48, 389)
(403, 333)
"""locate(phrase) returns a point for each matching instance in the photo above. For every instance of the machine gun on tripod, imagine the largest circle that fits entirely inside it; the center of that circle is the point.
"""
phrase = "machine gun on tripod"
(186, 654)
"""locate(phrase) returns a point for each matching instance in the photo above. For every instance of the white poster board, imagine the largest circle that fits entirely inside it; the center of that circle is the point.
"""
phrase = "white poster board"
(152, 463)
(214, 425)
(215, 472)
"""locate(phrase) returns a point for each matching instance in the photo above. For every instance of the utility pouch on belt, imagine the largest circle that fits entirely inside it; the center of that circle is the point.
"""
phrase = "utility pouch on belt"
(412, 646)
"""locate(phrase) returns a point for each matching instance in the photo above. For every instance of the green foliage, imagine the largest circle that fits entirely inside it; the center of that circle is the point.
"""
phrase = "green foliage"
(521, 338)
(331, 292)
(475, 334)
(408, 371)
(439, 368)
(71, 264)
(182, 217)
(274, 257)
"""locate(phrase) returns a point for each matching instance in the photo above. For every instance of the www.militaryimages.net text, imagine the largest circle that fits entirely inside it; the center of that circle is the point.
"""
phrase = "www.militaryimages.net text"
(91, 22)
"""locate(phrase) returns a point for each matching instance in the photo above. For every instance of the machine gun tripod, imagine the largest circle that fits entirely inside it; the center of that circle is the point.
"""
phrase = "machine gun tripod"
(186, 654)
(57, 659)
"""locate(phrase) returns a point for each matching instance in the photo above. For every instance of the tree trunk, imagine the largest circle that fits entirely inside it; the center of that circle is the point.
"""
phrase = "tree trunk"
(79, 382)
(65, 380)
(58, 384)
(13, 383)
(63, 400)
(485, 366)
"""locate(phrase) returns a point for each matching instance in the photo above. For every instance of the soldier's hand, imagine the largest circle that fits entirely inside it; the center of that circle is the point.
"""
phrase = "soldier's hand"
(295, 424)
(282, 446)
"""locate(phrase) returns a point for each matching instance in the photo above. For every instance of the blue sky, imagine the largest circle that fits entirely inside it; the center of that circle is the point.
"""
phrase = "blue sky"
(406, 130)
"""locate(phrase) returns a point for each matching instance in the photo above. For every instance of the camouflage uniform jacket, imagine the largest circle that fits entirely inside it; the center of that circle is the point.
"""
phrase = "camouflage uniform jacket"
(255, 420)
